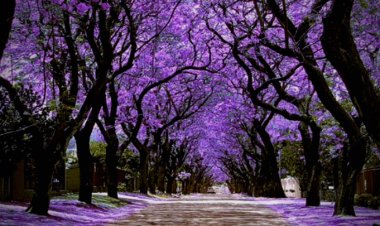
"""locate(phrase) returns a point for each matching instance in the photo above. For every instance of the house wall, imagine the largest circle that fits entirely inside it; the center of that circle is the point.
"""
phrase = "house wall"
(5, 188)
(98, 178)
(12, 187)
(369, 182)
(72, 179)
(18, 182)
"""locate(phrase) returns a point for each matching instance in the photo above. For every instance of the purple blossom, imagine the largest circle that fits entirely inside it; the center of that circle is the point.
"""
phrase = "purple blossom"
(58, 2)
(105, 6)
(82, 8)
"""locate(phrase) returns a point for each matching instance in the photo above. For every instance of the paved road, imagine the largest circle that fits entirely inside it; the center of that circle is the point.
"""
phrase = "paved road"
(204, 210)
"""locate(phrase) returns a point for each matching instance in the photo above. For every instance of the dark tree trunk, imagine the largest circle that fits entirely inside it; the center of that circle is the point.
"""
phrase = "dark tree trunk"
(7, 10)
(46, 159)
(174, 186)
(110, 136)
(349, 168)
(250, 175)
(111, 170)
(144, 171)
(313, 186)
(85, 166)
(185, 187)
(44, 172)
(152, 182)
(193, 187)
(250, 189)
(340, 49)
(336, 26)
(268, 182)
(161, 180)
(163, 166)
(170, 185)
(238, 187)
(310, 144)
(82, 138)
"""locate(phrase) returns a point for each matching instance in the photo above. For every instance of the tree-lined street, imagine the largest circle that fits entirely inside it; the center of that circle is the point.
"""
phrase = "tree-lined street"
(175, 97)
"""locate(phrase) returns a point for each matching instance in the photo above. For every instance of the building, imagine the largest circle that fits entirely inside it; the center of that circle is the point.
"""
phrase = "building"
(13, 186)
(98, 178)
(18, 185)
(369, 182)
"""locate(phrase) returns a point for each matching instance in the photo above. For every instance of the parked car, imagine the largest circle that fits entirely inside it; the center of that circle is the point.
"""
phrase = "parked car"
(210, 190)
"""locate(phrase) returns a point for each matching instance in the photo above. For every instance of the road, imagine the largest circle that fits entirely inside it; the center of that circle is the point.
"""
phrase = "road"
(204, 210)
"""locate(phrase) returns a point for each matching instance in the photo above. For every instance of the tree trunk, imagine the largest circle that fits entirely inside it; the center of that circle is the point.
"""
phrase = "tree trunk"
(82, 138)
(85, 166)
(185, 187)
(349, 166)
(340, 49)
(174, 186)
(7, 9)
(163, 167)
(144, 171)
(268, 182)
(250, 189)
(40, 200)
(313, 186)
(340, 9)
(161, 180)
(111, 170)
(152, 182)
(170, 185)
(46, 159)
(250, 176)
(310, 143)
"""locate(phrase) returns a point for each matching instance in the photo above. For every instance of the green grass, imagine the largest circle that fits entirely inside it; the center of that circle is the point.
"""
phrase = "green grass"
(97, 199)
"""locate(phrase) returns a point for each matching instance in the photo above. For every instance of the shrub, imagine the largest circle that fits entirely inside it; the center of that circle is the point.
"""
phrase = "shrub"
(367, 200)
(121, 187)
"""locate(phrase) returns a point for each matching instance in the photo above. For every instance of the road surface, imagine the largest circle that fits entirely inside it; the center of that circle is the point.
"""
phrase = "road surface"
(214, 209)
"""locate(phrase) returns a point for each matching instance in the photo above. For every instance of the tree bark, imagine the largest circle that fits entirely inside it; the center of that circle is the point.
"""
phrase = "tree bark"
(41, 200)
(349, 168)
(144, 171)
(170, 185)
(152, 181)
(185, 187)
(46, 159)
(161, 180)
(268, 183)
(162, 168)
(111, 170)
(7, 10)
(340, 49)
(82, 138)
(250, 176)
(85, 166)
(340, 9)
(310, 143)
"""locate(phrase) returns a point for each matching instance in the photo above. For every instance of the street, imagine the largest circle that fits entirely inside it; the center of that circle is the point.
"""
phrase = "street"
(214, 209)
